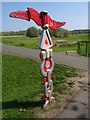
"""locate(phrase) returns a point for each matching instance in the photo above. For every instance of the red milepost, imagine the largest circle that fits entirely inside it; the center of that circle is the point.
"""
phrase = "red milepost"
(40, 19)
(45, 21)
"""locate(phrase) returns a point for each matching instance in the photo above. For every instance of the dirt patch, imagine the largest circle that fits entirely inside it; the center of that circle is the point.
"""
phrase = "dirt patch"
(61, 100)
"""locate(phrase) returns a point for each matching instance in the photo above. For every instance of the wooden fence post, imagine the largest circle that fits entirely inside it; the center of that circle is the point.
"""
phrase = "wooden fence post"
(86, 48)
(78, 49)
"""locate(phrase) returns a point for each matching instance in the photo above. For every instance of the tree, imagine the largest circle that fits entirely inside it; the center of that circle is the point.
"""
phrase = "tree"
(40, 31)
(60, 33)
(51, 32)
(32, 32)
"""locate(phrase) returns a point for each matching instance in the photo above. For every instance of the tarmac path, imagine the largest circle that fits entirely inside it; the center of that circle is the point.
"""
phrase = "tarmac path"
(78, 106)
(59, 58)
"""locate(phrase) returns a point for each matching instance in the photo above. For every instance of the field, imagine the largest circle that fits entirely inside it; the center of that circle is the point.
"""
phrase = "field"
(74, 37)
(21, 41)
(22, 85)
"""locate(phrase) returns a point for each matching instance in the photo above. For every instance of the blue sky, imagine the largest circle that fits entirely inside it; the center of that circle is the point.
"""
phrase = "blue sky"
(75, 14)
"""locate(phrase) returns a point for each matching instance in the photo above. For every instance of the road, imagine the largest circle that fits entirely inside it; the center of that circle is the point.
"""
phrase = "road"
(59, 58)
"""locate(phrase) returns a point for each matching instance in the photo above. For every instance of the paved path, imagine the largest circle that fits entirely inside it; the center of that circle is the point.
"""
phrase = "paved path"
(59, 58)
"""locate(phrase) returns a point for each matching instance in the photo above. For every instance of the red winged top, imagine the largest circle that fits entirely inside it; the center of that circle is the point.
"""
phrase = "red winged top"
(40, 19)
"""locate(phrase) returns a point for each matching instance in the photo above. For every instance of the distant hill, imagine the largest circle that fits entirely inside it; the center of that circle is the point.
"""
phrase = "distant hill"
(81, 31)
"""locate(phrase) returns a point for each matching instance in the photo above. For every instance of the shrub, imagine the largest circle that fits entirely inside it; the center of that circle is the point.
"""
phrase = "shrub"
(32, 32)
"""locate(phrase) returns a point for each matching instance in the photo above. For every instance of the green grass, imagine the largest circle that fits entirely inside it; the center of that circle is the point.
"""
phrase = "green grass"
(77, 37)
(22, 85)
(0, 40)
(65, 48)
(73, 37)
(33, 43)
(21, 41)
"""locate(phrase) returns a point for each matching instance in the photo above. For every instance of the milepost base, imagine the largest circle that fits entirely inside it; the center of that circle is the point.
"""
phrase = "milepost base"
(48, 102)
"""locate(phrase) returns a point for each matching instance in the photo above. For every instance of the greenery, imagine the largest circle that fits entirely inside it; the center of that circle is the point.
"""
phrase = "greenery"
(58, 32)
(74, 37)
(32, 32)
(12, 33)
(21, 41)
(65, 48)
(22, 85)
(57, 35)
(61, 33)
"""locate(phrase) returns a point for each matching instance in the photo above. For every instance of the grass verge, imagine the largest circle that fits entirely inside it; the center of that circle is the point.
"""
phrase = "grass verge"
(22, 85)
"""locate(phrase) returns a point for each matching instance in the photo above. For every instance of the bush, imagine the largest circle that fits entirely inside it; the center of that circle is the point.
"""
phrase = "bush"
(32, 32)
(60, 33)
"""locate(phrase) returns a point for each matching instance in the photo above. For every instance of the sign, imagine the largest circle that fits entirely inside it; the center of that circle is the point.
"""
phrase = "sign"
(47, 64)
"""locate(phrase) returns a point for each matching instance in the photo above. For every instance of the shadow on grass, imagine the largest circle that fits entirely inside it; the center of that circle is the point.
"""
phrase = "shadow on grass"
(16, 104)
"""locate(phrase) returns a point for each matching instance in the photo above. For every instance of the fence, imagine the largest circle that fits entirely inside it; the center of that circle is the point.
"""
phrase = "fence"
(83, 48)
